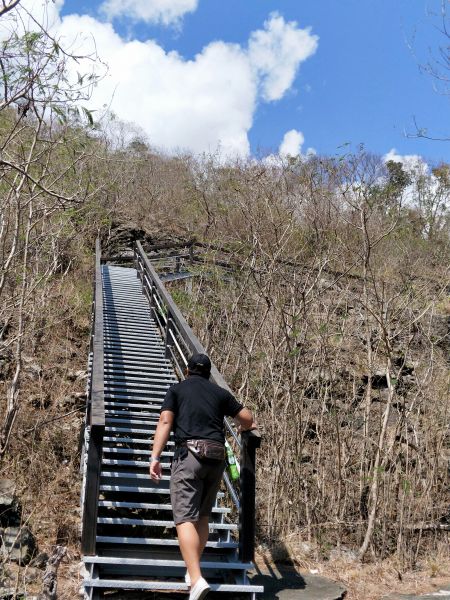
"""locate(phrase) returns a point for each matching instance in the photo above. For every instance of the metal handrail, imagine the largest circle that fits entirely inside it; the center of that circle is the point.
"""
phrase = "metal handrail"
(98, 376)
(177, 333)
(95, 416)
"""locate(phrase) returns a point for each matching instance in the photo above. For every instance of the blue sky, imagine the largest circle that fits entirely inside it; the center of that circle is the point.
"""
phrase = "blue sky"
(361, 84)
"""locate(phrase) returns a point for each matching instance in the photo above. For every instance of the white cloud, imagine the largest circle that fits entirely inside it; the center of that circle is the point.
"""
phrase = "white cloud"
(415, 165)
(410, 162)
(292, 143)
(290, 147)
(151, 11)
(276, 53)
(199, 105)
(31, 14)
(196, 105)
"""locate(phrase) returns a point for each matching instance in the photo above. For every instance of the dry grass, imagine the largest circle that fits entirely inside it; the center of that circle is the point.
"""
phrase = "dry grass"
(371, 581)
(374, 581)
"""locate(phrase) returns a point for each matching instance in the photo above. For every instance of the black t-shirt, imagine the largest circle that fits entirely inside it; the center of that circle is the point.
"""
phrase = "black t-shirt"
(199, 407)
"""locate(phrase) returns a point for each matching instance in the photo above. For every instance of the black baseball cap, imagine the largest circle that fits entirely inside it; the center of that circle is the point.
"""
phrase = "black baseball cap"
(199, 364)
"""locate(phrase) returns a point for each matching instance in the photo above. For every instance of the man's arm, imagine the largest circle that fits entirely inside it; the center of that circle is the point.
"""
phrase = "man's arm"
(162, 433)
(244, 420)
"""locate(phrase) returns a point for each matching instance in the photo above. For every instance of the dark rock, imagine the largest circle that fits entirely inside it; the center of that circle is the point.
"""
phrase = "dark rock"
(7, 492)
(440, 327)
(381, 396)
(76, 375)
(10, 593)
(40, 560)
(343, 554)
(379, 380)
(31, 369)
(74, 400)
(10, 510)
(123, 239)
(19, 544)
(32, 574)
(311, 431)
(41, 401)
(6, 361)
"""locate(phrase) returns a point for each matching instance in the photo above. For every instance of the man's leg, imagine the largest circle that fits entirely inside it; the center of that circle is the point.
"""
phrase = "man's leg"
(190, 537)
(202, 527)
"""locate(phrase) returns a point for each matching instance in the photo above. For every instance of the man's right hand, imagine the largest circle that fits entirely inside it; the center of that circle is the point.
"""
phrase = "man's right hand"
(155, 470)
(244, 420)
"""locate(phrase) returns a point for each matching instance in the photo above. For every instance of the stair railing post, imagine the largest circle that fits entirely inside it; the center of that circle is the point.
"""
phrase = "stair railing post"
(136, 263)
(250, 441)
(151, 300)
(167, 335)
(90, 510)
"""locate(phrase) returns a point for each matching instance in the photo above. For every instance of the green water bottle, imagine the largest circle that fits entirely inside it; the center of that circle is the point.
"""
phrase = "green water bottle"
(231, 463)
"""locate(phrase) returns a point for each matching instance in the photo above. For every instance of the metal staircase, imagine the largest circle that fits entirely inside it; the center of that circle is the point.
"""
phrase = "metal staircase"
(139, 345)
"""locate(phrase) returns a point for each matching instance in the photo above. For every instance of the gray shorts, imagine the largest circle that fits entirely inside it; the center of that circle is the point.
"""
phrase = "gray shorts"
(193, 486)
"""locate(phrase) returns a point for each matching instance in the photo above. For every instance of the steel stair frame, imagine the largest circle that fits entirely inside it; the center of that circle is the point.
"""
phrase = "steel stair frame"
(125, 394)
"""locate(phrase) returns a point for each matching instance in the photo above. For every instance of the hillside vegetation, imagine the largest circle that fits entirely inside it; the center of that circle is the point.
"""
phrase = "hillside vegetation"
(322, 296)
(331, 322)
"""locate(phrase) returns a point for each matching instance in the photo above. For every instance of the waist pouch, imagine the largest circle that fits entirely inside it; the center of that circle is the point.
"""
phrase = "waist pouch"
(206, 449)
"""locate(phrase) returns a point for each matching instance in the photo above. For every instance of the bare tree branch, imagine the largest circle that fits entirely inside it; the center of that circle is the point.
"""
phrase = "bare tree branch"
(7, 6)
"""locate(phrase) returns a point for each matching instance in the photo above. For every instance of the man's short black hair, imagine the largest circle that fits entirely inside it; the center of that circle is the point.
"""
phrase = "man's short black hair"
(199, 364)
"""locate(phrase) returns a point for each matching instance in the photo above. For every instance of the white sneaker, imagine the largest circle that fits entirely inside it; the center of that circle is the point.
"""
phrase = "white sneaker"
(200, 590)
(187, 579)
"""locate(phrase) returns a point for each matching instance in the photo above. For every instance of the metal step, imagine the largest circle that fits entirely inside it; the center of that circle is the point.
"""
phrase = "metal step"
(133, 394)
(135, 476)
(148, 406)
(130, 338)
(145, 414)
(148, 357)
(125, 353)
(117, 418)
(130, 370)
(139, 541)
(147, 363)
(145, 378)
(135, 489)
(133, 451)
(154, 562)
(143, 345)
(115, 325)
(130, 382)
(129, 430)
(118, 326)
(148, 506)
(133, 463)
(148, 351)
(127, 322)
(114, 395)
(159, 523)
(124, 584)
(114, 307)
(130, 440)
